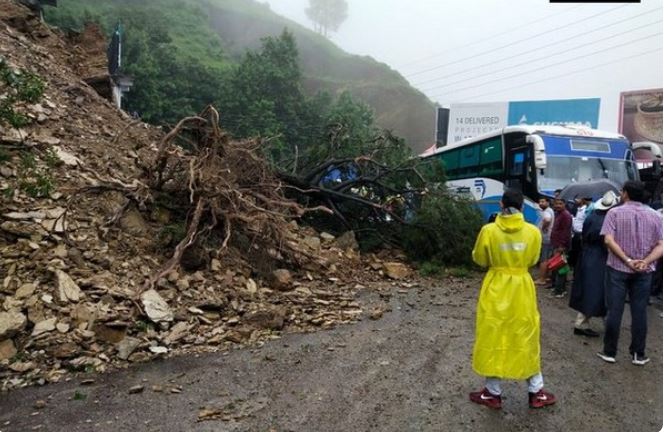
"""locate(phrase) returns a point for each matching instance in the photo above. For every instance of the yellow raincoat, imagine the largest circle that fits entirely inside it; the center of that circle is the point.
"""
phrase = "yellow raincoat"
(507, 329)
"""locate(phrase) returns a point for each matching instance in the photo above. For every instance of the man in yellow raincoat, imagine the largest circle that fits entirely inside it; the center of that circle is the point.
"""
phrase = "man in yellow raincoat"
(507, 329)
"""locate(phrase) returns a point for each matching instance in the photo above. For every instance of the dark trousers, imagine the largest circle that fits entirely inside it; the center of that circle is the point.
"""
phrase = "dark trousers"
(575, 250)
(558, 282)
(616, 286)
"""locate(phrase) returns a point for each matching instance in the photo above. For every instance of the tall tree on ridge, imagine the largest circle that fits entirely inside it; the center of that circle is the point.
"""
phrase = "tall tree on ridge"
(327, 14)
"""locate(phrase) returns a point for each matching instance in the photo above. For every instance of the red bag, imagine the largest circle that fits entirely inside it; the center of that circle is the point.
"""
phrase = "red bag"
(556, 262)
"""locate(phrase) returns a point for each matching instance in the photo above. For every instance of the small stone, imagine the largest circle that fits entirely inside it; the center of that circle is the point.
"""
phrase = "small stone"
(25, 291)
(126, 347)
(62, 327)
(396, 270)
(158, 349)
(312, 242)
(178, 331)
(87, 382)
(7, 349)
(215, 265)
(182, 284)
(136, 389)
(252, 287)
(109, 334)
(66, 350)
(326, 236)
(44, 326)
(6, 171)
(281, 280)
(272, 319)
(157, 388)
(40, 404)
(67, 288)
(376, 314)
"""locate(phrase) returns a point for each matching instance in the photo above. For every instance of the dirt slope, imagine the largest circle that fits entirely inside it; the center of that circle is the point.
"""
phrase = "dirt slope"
(76, 263)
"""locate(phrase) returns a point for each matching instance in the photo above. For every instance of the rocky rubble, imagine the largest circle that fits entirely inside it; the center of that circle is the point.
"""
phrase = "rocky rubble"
(71, 298)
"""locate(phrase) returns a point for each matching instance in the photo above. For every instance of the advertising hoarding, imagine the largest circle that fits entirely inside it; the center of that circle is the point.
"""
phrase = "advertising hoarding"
(640, 117)
(471, 119)
(579, 112)
(468, 120)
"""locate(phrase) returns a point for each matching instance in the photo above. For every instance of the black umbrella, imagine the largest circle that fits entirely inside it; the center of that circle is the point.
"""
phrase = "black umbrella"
(593, 190)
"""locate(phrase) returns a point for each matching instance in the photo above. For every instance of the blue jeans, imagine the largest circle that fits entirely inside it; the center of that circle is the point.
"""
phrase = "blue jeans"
(617, 285)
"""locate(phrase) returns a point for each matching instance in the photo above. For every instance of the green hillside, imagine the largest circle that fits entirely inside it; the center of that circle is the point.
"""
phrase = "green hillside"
(217, 33)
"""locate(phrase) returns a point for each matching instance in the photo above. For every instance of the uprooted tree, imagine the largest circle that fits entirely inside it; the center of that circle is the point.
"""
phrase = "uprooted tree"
(224, 191)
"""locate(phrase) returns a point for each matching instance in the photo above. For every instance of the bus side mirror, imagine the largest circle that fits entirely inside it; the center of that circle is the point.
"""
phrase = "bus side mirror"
(538, 150)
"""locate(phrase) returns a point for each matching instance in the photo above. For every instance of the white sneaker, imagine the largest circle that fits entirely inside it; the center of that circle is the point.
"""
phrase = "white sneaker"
(639, 360)
(606, 358)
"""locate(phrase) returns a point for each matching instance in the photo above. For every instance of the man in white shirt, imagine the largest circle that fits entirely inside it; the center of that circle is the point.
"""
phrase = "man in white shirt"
(544, 223)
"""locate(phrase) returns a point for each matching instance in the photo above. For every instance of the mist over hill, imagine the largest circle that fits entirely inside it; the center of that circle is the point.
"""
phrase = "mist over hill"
(217, 33)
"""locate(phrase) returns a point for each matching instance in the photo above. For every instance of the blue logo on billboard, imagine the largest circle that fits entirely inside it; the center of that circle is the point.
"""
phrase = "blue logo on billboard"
(582, 112)
(480, 188)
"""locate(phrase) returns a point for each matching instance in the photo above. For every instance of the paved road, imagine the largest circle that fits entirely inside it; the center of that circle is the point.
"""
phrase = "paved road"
(409, 371)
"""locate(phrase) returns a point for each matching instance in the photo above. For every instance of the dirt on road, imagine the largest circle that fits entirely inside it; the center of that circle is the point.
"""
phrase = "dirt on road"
(407, 371)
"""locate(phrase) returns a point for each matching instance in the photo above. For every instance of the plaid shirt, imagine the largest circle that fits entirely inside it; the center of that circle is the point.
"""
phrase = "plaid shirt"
(636, 228)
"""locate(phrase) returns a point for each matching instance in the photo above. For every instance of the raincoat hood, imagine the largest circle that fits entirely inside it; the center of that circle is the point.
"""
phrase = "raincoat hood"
(510, 223)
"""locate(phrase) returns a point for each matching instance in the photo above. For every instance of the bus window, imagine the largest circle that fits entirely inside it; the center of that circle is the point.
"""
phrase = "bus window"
(469, 160)
(491, 158)
(518, 164)
(451, 163)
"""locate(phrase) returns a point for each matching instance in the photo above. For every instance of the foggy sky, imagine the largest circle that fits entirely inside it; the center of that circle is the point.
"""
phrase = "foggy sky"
(461, 42)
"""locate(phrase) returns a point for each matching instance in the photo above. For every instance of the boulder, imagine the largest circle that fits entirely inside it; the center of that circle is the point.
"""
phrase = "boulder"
(67, 288)
(281, 280)
(396, 270)
(156, 307)
(272, 319)
(347, 241)
(126, 347)
(44, 326)
(11, 323)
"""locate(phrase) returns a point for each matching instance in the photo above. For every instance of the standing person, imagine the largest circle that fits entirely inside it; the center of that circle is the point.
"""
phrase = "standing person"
(507, 328)
(545, 224)
(587, 296)
(633, 235)
(561, 235)
(577, 227)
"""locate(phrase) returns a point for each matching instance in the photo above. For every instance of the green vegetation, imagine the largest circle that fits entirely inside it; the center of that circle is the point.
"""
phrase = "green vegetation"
(79, 396)
(444, 231)
(35, 180)
(182, 53)
(262, 92)
(17, 86)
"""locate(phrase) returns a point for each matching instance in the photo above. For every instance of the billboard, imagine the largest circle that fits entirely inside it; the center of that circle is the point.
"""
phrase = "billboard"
(640, 117)
(471, 119)
(580, 112)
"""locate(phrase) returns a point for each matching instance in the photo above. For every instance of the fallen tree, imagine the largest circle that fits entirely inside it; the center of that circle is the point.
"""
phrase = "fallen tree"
(218, 187)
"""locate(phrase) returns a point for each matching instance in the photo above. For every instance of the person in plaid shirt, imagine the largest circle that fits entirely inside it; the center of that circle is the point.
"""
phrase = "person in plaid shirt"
(633, 235)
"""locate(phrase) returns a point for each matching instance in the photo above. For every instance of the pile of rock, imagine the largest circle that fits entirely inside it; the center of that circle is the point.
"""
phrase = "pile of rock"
(72, 276)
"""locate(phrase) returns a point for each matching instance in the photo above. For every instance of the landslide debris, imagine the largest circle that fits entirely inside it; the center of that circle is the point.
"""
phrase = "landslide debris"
(145, 244)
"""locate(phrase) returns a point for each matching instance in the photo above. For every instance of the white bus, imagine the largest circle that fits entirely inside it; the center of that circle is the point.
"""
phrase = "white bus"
(534, 159)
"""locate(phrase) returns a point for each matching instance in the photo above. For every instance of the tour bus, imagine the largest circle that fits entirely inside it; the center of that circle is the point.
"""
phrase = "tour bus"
(534, 159)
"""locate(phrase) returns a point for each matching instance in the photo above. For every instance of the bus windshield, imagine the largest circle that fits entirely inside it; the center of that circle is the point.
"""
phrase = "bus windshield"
(563, 170)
